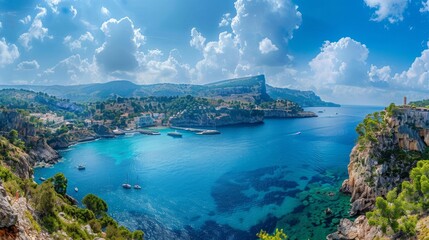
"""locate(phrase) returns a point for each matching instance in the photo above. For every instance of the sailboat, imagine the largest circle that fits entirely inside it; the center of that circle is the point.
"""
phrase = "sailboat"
(136, 186)
(126, 185)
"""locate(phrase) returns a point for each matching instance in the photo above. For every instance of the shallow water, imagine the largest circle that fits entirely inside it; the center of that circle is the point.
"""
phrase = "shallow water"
(227, 186)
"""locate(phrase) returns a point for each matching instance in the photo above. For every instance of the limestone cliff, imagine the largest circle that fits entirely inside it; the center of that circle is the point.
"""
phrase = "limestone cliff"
(223, 118)
(268, 113)
(378, 166)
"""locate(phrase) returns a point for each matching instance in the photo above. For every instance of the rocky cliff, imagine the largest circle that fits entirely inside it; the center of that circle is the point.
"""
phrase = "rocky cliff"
(382, 164)
(225, 118)
(268, 113)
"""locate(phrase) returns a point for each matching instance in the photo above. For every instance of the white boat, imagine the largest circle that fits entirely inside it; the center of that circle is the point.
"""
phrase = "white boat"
(126, 185)
(209, 132)
(76, 189)
(42, 179)
(138, 187)
(175, 134)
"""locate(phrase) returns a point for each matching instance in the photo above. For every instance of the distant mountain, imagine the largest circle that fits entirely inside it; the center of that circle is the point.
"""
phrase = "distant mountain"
(249, 89)
(303, 98)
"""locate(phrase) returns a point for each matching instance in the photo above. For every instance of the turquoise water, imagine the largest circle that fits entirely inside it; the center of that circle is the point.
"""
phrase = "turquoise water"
(226, 186)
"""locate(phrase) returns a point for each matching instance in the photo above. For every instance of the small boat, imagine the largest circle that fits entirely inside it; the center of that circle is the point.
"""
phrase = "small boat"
(126, 185)
(76, 189)
(81, 167)
(138, 187)
(175, 134)
(320, 111)
(297, 133)
(42, 179)
(209, 132)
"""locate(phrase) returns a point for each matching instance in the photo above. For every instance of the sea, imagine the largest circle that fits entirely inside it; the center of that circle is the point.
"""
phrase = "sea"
(284, 173)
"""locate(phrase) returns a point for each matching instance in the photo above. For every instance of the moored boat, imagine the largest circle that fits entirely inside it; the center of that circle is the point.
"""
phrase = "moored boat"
(81, 167)
(126, 186)
(175, 134)
(76, 189)
(42, 179)
(209, 132)
(138, 187)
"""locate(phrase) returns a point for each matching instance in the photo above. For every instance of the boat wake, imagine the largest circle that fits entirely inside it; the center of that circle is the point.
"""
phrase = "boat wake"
(294, 134)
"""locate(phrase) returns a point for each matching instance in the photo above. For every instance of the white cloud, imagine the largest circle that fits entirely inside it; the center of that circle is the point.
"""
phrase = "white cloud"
(342, 62)
(153, 69)
(36, 30)
(53, 4)
(26, 20)
(73, 10)
(8, 53)
(255, 20)
(77, 43)
(376, 74)
(220, 59)
(266, 46)
(72, 70)
(105, 11)
(417, 76)
(197, 40)
(226, 20)
(425, 7)
(392, 10)
(118, 52)
(28, 65)
(260, 33)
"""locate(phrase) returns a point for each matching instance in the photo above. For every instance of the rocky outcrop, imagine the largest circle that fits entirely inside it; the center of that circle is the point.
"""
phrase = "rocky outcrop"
(65, 140)
(103, 131)
(382, 165)
(41, 152)
(378, 168)
(359, 229)
(11, 119)
(269, 113)
(223, 118)
(18, 161)
(8, 217)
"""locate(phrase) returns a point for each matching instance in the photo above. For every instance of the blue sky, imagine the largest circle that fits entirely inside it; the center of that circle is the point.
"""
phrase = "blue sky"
(352, 52)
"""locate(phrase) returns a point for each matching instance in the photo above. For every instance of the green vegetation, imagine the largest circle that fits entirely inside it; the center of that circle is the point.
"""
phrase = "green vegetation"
(371, 126)
(60, 183)
(422, 103)
(95, 204)
(398, 213)
(277, 235)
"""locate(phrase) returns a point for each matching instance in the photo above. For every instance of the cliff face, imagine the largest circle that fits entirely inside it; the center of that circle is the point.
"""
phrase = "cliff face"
(268, 113)
(230, 117)
(376, 169)
(379, 167)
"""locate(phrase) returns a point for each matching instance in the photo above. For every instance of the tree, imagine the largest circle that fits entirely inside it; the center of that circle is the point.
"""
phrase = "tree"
(95, 204)
(60, 183)
(277, 235)
(45, 199)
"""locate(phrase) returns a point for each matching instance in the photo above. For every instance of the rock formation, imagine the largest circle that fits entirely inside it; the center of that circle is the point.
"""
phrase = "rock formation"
(382, 165)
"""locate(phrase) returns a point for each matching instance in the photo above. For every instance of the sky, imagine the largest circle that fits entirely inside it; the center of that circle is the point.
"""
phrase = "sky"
(367, 52)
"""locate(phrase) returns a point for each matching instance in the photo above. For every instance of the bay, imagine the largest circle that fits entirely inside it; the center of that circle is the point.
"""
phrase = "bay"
(284, 173)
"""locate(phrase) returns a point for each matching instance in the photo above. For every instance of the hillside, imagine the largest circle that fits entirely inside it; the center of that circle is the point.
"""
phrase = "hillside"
(303, 98)
(248, 89)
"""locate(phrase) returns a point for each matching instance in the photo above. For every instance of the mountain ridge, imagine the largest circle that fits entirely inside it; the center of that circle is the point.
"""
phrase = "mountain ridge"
(247, 89)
